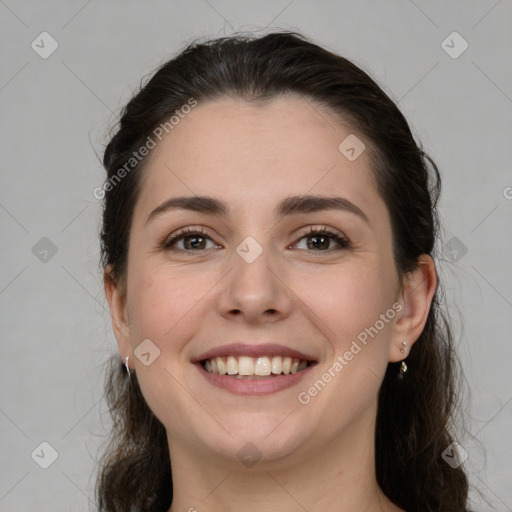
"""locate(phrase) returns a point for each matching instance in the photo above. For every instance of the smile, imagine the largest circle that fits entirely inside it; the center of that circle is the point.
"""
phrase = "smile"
(254, 367)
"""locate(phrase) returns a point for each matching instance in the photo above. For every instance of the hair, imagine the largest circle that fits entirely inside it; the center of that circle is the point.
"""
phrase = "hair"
(415, 413)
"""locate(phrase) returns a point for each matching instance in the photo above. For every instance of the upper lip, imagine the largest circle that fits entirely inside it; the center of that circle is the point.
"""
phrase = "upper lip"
(259, 350)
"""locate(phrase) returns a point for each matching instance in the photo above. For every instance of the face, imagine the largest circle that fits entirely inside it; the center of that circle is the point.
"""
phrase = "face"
(260, 282)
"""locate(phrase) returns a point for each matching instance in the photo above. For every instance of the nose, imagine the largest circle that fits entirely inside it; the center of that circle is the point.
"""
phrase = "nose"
(255, 291)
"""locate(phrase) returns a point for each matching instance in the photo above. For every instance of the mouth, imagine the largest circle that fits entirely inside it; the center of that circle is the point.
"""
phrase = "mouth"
(254, 369)
(245, 367)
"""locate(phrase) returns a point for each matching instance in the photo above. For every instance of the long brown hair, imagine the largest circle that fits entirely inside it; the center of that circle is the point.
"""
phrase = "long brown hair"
(415, 414)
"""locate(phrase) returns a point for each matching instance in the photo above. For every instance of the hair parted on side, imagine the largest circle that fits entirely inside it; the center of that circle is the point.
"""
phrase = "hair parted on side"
(415, 413)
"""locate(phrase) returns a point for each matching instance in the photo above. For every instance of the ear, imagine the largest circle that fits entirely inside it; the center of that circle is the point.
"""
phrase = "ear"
(116, 298)
(418, 289)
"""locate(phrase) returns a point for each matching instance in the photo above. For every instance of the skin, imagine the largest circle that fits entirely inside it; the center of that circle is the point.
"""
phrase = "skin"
(315, 457)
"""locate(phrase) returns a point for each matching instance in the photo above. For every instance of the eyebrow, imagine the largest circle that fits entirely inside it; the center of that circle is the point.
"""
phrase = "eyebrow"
(293, 205)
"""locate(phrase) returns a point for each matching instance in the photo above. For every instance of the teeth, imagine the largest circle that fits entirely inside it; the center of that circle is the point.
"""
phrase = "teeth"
(231, 366)
(277, 365)
(221, 366)
(254, 366)
(245, 366)
(262, 366)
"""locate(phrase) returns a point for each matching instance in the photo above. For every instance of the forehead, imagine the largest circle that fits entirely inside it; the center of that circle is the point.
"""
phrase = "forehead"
(247, 153)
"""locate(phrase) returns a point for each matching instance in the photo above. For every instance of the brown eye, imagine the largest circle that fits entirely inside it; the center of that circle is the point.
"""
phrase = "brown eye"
(193, 240)
(319, 240)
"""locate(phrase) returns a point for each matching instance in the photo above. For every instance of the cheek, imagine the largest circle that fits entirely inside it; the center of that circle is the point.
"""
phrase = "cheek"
(160, 303)
(162, 310)
(348, 304)
(347, 301)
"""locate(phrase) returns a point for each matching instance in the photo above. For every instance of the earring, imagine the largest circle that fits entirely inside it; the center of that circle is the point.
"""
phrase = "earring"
(127, 367)
(403, 367)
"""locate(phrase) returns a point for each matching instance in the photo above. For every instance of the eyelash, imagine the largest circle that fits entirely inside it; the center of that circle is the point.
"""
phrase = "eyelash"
(324, 230)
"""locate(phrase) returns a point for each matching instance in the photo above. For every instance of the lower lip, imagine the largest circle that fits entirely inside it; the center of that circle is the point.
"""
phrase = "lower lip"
(253, 386)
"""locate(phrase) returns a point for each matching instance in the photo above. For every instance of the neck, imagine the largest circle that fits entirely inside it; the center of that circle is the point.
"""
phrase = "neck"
(338, 475)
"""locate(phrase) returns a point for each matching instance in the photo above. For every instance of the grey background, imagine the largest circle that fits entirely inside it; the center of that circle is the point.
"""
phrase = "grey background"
(55, 112)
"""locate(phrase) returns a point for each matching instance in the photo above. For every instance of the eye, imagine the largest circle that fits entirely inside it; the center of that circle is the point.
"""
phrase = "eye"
(193, 239)
(322, 237)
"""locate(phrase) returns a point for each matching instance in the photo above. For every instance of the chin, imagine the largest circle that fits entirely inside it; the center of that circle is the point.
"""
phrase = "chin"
(270, 439)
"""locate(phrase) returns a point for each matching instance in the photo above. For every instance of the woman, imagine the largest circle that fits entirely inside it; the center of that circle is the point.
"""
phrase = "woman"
(268, 237)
